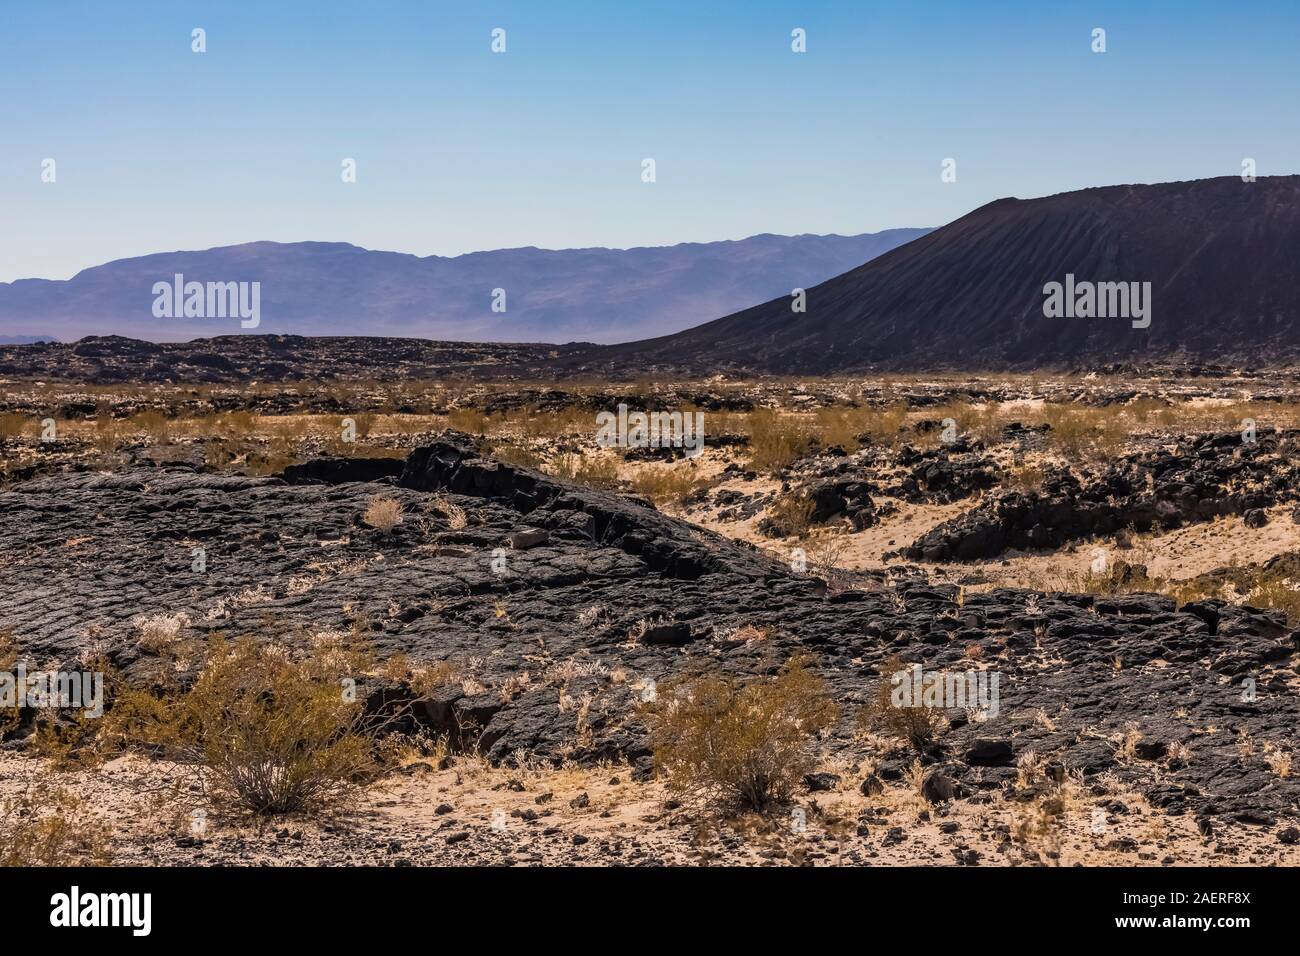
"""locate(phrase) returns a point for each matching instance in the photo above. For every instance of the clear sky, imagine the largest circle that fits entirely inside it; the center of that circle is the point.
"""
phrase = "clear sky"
(459, 149)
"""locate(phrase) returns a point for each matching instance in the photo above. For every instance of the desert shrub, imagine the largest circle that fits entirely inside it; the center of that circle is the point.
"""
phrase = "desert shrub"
(47, 825)
(791, 515)
(236, 424)
(847, 427)
(747, 743)
(777, 440)
(884, 426)
(1039, 826)
(160, 632)
(469, 420)
(9, 717)
(1119, 577)
(453, 513)
(672, 484)
(13, 425)
(825, 550)
(383, 514)
(585, 470)
(1027, 478)
(264, 734)
(153, 423)
(1276, 592)
(364, 423)
(290, 430)
(1085, 433)
(837, 426)
(1272, 588)
(919, 726)
(107, 433)
(513, 453)
(551, 422)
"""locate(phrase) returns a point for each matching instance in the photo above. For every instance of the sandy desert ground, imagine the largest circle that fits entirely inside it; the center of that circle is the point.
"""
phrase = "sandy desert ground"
(1120, 549)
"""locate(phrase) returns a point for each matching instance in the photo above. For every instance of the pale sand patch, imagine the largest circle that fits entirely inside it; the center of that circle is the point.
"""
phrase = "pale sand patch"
(1176, 555)
(526, 817)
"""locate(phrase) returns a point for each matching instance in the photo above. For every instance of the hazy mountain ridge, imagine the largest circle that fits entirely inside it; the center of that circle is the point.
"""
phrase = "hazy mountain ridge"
(324, 288)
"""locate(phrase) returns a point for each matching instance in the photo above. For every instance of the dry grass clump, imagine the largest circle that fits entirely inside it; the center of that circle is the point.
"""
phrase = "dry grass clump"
(550, 423)
(884, 426)
(1119, 577)
(918, 725)
(455, 515)
(791, 515)
(264, 734)
(469, 420)
(825, 550)
(745, 744)
(849, 427)
(670, 484)
(108, 434)
(591, 471)
(47, 825)
(777, 440)
(9, 718)
(160, 632)
(1262, 587)
(1275, 591)
(517, 454)
(14, 425)
(1080, 433)
(152, 423)
(1277, 760)
(1026, 478)
(975, 422)
(383, 514)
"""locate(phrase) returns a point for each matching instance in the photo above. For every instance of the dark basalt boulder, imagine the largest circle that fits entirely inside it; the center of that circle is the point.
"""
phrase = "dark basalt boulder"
(336, 471)
(1212, 476)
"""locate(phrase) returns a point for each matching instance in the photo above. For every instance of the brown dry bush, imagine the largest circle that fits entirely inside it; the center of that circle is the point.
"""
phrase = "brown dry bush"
(1027, 478)
(1085, 433)
(513, 453)
(884, 426)
(469, 420)
(1268, 588)
(671, 484)
(918, 725)
(263, 733)
(745, 744)
(776, 439)
(9, 718)
(383, 514)
(585, 470)
(108, 434)
(975, 422)
(13, 425)
(826, 549)
(152, 423)
(791, 515)
(47, 825)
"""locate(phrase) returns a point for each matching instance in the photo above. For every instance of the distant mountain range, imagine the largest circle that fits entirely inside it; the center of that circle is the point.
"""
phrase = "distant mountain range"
(1222, 258)
(324, 288)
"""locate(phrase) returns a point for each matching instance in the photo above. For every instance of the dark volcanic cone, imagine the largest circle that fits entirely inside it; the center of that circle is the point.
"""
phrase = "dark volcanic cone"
(1220, 255)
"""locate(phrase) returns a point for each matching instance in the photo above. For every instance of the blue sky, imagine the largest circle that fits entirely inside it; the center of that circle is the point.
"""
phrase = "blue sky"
(457, 149)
